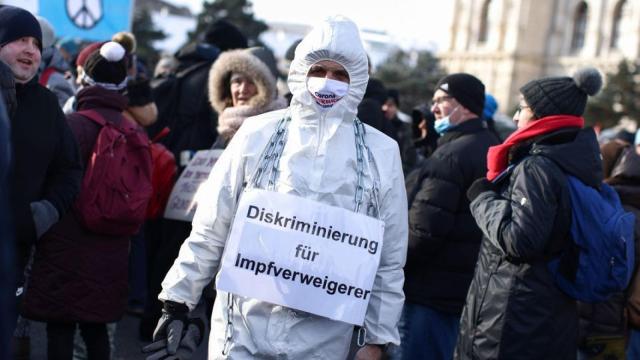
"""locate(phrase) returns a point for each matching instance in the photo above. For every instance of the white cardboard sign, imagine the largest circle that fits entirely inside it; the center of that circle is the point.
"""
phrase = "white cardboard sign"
(302, 254)
(182, 201)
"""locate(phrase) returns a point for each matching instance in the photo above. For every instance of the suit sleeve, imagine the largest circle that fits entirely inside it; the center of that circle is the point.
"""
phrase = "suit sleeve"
(201, 252)
(387, 296)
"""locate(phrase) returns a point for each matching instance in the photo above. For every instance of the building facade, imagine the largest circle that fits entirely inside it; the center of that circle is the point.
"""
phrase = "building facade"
(509, 42)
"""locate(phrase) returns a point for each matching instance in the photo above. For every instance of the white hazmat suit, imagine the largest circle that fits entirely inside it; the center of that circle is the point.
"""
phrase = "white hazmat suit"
(318, 162)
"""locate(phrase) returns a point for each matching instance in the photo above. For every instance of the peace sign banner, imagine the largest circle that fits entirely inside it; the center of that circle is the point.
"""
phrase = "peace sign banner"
(95, 20)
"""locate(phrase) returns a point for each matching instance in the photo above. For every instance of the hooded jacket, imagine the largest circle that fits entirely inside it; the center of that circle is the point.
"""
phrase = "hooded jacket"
(443, 237)
(514, 310)
(318, 162)
(231, 117)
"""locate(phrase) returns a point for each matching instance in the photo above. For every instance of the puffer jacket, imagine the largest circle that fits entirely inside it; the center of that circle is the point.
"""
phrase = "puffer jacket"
(443, 237)
(514, 310)
(318, 162)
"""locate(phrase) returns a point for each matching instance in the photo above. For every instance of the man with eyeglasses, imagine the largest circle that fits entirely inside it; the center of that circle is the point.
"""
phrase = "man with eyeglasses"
(443, 237)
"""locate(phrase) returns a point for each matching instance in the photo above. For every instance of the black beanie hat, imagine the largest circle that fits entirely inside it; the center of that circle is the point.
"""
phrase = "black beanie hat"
(16, 23)
(225, 36)
(139, 92)
(395, 95)
(467, 89)
(562, 95)
(266, 56)
(291, 51)
(107, 66)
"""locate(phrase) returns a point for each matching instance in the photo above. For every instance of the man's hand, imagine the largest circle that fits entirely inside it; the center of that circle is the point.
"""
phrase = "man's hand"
(178, 333)
(478, 187)
(369, 352)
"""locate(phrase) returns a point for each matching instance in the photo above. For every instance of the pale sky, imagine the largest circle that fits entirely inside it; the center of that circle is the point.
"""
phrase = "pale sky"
(417, 23)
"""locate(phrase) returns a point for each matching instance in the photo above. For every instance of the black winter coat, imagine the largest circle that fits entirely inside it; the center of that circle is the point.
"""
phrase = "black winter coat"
(514, 310)
(7, 255)
(443, 237)
(46, 163)
(183, 103)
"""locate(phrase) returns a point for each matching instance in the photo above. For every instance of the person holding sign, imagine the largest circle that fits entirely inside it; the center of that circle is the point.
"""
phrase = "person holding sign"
(304, 221)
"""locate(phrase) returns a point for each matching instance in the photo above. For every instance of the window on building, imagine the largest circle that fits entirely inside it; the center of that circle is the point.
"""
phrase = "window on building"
(483, 33)
(579, 26)
(618, 12)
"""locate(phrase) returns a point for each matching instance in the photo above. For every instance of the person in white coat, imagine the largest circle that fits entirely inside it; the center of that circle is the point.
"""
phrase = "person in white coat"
(318, 147)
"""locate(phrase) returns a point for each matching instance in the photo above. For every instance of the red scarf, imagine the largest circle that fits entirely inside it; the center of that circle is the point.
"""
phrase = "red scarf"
(498, 156)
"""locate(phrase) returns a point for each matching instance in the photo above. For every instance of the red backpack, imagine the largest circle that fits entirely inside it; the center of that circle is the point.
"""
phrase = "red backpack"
(163, 177)
(117, 181)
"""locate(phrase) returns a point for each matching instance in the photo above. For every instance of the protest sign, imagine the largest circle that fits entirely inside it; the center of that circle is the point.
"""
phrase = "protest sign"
(302, 254)
(182, 201)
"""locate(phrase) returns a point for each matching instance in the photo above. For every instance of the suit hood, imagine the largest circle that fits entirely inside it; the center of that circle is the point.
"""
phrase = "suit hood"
(337, 39)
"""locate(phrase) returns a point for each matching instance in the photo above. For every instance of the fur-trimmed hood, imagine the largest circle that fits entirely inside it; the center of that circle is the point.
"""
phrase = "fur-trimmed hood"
(241, 61)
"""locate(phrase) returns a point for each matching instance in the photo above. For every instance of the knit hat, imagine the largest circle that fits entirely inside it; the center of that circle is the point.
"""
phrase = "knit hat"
(139, 92)
(70, 45)
(86, 51)
(395, 95)
(107, 67)
(225, 36)
(16, 23)
(127, 40)
(266, 56)
(48, 34)
(562, 95)
(291, 51)
(467, 89)
(490, 106)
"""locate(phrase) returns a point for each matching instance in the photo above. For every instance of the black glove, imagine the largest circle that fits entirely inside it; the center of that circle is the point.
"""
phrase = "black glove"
(478, 187)
(178, 334)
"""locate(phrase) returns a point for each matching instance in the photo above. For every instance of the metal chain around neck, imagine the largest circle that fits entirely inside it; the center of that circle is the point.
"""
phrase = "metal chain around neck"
(269, 161)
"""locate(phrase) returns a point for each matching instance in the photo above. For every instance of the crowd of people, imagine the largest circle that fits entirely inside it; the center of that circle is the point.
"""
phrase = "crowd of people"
(478, 229)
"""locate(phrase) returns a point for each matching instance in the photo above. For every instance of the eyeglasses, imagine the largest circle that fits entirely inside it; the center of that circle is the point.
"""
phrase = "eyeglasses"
(521, 107)
(440, 100)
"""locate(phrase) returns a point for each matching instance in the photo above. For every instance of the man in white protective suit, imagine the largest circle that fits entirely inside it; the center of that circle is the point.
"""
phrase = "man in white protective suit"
(303, 221)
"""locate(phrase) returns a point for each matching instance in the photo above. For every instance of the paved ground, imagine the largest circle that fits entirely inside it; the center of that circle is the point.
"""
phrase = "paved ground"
(127, 344)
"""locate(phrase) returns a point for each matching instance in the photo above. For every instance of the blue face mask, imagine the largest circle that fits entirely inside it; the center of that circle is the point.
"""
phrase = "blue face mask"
(443, 125)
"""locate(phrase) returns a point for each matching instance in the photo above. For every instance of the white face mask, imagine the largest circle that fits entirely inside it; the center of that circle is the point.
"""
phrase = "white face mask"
(325, 91)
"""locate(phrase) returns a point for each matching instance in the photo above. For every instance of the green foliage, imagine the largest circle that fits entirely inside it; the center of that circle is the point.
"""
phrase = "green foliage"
(146, 33)
(620, 97)
(414, 75)
(237, 12)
